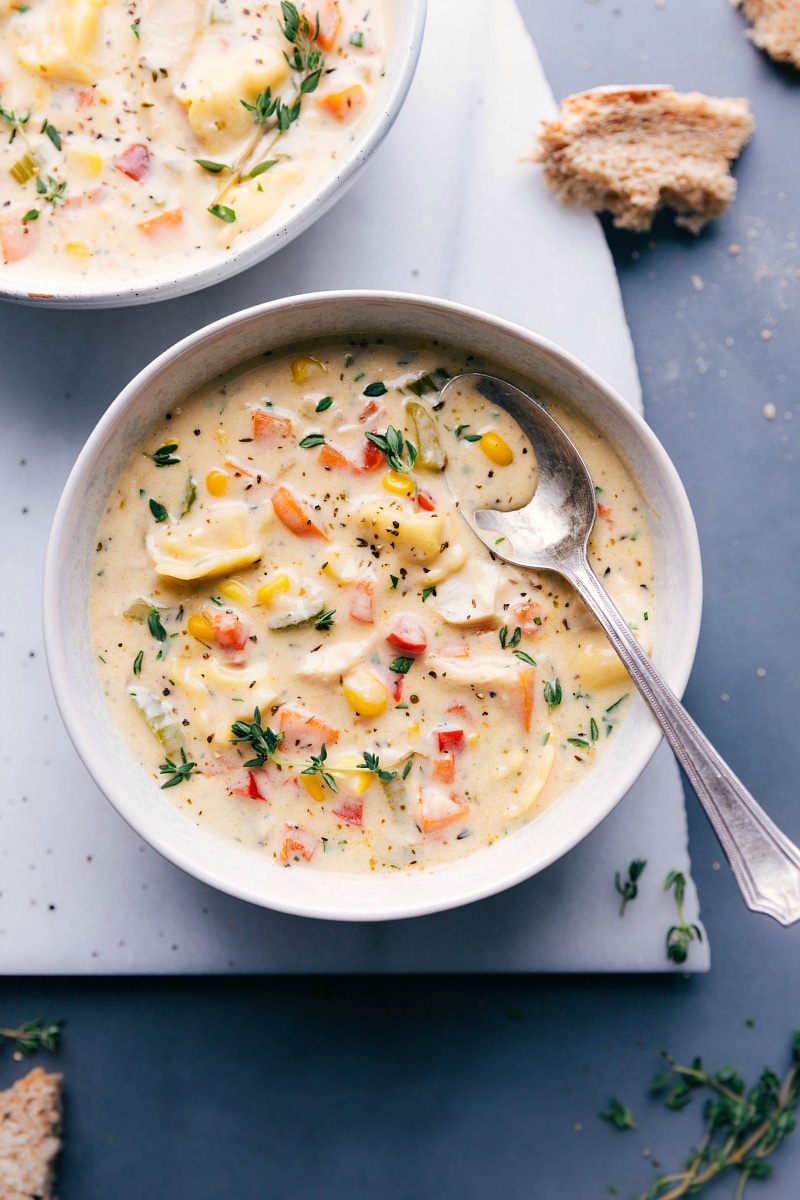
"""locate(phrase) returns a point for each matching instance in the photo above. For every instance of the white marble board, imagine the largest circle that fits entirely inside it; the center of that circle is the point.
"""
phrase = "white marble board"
(448, 207)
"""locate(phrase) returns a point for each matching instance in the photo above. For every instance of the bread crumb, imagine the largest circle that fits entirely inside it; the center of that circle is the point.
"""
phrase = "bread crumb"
(697, 283)
(761, 672)
(776, 27)
(734, 249)
(770, 411)
(578, 1126)
(30, 1124)
(717, 866)
(633, 150)
(766, 334)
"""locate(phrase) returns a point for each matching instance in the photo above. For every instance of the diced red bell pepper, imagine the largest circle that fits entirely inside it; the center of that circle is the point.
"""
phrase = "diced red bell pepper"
(369, 410)
(134, 162)
(245, 783)
(230, 631)
(362, 601)
(350, 810)
(371, 456)
(408, 634)
(397, 688)
(451, 741)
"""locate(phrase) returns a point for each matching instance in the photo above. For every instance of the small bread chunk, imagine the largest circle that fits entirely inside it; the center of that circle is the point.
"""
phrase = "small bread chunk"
(30, 1122)
(776, 27)
(633, 150)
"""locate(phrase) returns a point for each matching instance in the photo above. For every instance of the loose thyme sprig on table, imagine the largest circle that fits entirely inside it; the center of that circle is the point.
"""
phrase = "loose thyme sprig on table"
(742, 1126)
(680, 936)
(629, 890)
(271, 113)
(35, 1035)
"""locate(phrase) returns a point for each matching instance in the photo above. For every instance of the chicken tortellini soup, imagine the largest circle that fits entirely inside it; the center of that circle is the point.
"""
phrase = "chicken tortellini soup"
(304, 643)
(157, 134)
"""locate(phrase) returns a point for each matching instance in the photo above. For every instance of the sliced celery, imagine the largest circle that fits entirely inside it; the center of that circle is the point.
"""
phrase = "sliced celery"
(434, 382)
(140, 608)
(159, 719)
(430, 453)
(24, 168)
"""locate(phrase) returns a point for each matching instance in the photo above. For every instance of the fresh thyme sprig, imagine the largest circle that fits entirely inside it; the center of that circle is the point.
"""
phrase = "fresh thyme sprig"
(324, 620)
(178, 771)
(680, 936)
(400, 454)
(271, 113)
(164, 456)
(35, 1035)
(629, 890)
(316, 766)
(51, 192)
(372, 763)
(742, 1126)
(263, 740)
(617, 1114)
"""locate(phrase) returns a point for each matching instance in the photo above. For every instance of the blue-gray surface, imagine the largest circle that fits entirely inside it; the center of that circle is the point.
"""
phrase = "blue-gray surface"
(488, 1088)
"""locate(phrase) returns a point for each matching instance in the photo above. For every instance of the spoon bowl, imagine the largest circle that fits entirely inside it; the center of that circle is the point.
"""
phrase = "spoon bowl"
(552, 532)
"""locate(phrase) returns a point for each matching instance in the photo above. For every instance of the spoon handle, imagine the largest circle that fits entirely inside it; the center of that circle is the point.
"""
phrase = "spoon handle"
(765, 864)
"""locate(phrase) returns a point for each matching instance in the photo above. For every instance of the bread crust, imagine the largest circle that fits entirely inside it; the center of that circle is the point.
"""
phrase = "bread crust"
(635, 149)
(30, 1127)
(775, 27)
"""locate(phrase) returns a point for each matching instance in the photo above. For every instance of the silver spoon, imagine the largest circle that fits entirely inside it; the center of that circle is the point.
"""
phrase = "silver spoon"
(551, 533)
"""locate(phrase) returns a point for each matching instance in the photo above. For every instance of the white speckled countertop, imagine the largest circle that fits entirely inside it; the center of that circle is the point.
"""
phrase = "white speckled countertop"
(448, 208)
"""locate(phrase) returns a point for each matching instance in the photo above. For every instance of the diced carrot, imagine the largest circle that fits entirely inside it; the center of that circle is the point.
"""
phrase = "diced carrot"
(134, 162)
(299, 841)
(344, 104)
(362, 601)
(302, 730)
(230, 631)
(269, 426)
(525, 615)
(369, 410)
(85, 98)
(462, 712)
(527, 681)
(437, 808)
(17, 237)
(296, 515)
(605, 513)
(444, 769)
(331, 457)
(408, 634)
(426, 501)
(166, 222)
(453, 650)
(451, 741)
(329, 17)
(350, 810)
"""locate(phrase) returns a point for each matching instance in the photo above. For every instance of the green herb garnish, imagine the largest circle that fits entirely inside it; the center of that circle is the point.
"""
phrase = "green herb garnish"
(629, 890)
(400, 455)
(223, 212)
(372, 763)
(325, 619)
(316, 766)
(402, 665)
(508, 643)
(617, 1114)
(137, 663)
(428, 591)
(378, 388)
(213, 168)
(52, 133)
(680, 936)
(179, 772)
(312, 440)
(35, 1035)
(263, 740)
(164, 455)
(158, 511)
(324, 404)
(154, 625)
(552, 694)
(526, 658)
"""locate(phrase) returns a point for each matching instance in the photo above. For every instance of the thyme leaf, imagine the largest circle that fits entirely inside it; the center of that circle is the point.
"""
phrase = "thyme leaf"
(629, 889)
(178, 771)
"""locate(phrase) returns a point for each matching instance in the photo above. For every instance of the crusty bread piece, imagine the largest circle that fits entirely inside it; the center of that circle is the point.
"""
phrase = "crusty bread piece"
(633, 150)
(30, 1122)
(776, 27)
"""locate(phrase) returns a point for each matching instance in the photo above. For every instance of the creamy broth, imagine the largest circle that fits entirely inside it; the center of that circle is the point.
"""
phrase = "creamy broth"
(417, 698)
(139, 142)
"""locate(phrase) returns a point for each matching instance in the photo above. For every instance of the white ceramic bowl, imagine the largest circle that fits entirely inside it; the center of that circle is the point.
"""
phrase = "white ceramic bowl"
(44, 289)
(247, 873)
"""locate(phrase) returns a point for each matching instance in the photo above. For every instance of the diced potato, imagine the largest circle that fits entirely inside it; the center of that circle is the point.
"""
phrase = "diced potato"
(450, 560)
(341, 568)
(215, 541)
(417, 536)
(534, 776)
(256, 200)
(59, 48)
(337, 659)
(215, 111)
(78, 250)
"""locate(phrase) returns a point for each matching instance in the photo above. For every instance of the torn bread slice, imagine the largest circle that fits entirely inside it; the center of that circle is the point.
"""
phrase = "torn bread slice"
(776, 27)
(30, 1123)
(633, 150)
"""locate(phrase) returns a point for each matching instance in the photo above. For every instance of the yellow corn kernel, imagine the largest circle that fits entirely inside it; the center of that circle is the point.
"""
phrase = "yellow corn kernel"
(87, 162)
(303, 366)
(222, 437)
(200, 627)
(496, 449)
(269, 590)
(367, 695)
(217, 483)
(398, 483)
(78, 250)
(353, 781)
(236, 591)
(314, 786)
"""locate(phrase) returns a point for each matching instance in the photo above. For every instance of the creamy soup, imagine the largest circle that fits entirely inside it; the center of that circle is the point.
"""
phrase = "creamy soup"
(302, 640)
(152, 136)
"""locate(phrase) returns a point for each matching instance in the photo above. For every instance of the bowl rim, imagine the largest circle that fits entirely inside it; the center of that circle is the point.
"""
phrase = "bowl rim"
(255, 250)
(396, 904)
